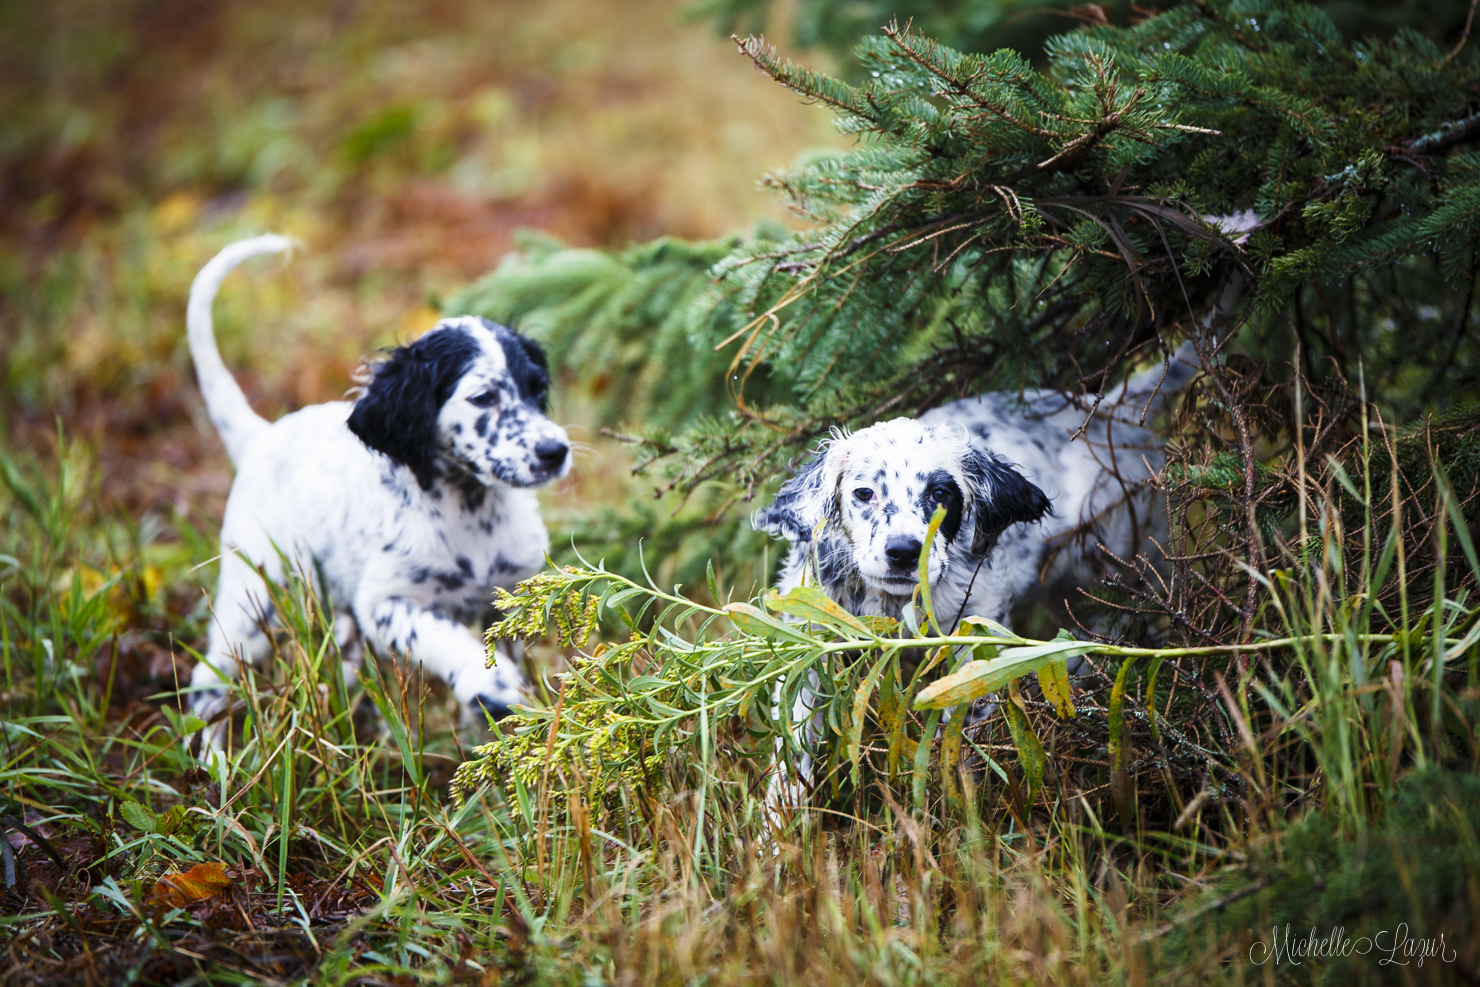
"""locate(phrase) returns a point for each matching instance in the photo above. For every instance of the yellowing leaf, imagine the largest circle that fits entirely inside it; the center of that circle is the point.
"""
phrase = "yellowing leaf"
(984, 626)
(810, 603)
(200, 883)
(1053, 679)
(860, 709)
(1120, 779)
(758, 623)
(880, 625)
(977, 678)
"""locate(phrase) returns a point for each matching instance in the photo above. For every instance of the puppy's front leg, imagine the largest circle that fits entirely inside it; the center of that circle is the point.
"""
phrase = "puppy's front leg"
(445, 648)
(240, 611)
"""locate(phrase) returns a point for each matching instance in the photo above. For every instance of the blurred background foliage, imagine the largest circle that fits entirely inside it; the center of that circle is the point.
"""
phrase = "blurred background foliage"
(406, 144)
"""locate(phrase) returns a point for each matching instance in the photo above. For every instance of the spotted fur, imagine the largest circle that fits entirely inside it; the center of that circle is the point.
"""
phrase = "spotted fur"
(406, 507)
(1029, 505)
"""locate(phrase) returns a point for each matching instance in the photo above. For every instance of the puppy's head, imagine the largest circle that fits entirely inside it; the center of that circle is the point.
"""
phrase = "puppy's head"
(881, 485)
(468, 397)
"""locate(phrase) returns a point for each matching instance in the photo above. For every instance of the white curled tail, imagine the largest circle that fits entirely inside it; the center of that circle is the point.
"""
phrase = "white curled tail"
(230, 413)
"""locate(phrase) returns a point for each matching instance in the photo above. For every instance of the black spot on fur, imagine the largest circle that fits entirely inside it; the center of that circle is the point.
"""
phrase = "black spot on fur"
(941, 488)
(528, 367)
(397, 414)
(471, 489)
(490, 707)
(1004, 498)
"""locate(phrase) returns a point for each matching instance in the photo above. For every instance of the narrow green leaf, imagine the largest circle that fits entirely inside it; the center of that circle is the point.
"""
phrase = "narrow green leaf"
(757, 623)
(1120, 781)
(921, 773)
(860, 710)
(950, 763)
(1156, 664)
(924, 574)
(992, 629)
(1030, 749)
(810, 603)
(713, 583)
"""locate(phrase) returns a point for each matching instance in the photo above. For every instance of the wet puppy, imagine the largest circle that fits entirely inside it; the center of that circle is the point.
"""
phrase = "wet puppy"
(1032, 504)
(406, 507)
(1028, 505)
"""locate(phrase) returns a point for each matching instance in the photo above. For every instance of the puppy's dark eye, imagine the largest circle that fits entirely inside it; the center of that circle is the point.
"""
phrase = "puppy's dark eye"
(485, 400)
(939, 495)
(863, 495)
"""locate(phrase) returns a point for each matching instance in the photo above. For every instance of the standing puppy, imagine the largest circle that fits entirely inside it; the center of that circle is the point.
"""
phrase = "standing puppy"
(1028, 504)
(407, 506)
(1029, 501)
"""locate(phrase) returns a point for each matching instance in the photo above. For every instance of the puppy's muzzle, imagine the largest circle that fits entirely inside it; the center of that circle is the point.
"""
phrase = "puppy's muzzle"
(551, 454)
(903, 553)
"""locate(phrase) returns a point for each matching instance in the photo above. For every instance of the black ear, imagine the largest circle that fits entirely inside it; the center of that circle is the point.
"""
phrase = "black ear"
(528, 365)
(533, 350)
(1001, 497)
(807, 498)
(397, 413)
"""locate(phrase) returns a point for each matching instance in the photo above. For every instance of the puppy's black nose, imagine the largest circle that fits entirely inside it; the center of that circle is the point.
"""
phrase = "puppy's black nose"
(551, 452)
(902, 551)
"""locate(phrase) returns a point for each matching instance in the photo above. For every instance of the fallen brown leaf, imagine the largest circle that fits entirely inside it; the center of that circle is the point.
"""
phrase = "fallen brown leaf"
(199, 883)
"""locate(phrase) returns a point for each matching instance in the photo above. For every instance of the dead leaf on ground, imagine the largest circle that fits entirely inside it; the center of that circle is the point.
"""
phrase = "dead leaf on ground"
(200, 883)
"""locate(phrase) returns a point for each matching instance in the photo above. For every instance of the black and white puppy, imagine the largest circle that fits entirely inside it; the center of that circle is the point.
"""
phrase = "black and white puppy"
(407, 506)
(1028, 503)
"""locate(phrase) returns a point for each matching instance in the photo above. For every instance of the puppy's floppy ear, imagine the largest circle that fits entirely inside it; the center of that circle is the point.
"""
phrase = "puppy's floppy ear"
(1001, 496)
(807, 498)
(533, 350)
(538, 382)
(397, 413)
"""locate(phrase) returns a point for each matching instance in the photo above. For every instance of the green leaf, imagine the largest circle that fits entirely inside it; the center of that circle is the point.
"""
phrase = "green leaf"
(924, 575)
(1120, 781)
(950, 763)
(23, 491)
(810, 603)
(1030, 749)
(1156, 664)
(757, 623)
(921, 773)
(860, 710)
(139, 817)
(990, 628)
(977, 678)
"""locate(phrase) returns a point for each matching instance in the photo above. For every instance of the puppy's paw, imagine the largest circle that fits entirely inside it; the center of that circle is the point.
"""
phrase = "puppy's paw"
(210, 706)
